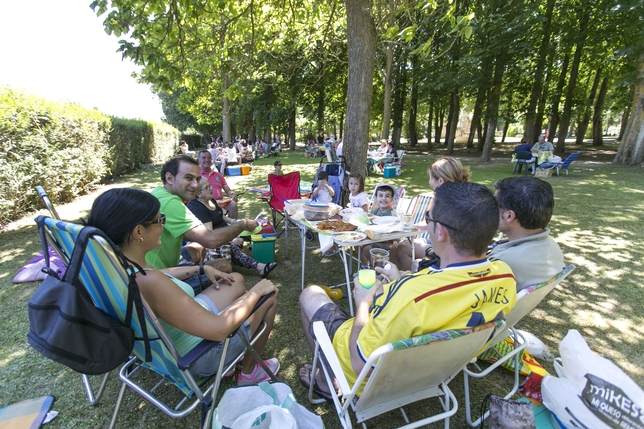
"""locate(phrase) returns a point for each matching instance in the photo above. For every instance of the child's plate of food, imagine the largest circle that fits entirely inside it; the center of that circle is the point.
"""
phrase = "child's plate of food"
(351, 237)
(385, 220)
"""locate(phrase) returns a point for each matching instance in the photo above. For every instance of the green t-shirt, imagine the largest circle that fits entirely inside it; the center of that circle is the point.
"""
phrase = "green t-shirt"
(179, 220)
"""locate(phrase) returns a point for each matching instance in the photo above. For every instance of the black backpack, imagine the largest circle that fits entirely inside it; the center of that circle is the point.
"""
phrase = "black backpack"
(66, 326)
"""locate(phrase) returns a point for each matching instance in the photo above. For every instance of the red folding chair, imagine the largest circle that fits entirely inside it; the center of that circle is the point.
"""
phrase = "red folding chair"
(282, 188)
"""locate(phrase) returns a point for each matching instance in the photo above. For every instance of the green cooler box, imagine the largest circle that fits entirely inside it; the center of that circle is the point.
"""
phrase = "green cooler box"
(264, 244)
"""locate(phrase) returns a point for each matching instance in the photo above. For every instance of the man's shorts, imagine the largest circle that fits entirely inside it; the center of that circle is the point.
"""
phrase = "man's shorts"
(207, 364)
(332, 316)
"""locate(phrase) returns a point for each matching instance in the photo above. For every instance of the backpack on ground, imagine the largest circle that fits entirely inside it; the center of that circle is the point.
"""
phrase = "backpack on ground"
(66, 326)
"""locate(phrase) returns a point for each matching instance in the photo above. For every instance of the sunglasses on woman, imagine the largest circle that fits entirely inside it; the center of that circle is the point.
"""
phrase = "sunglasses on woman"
(160, 220)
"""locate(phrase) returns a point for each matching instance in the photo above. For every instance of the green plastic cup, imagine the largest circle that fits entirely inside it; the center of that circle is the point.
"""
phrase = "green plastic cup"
(367, 278)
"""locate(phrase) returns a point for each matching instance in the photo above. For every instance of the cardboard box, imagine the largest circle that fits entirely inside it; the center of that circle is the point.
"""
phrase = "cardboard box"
(390, 170)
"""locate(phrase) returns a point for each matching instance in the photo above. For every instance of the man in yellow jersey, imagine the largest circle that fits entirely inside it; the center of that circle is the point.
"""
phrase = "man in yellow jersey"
(465, 290)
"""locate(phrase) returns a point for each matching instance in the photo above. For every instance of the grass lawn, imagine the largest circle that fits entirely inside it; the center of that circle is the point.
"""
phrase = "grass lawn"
(598, 223)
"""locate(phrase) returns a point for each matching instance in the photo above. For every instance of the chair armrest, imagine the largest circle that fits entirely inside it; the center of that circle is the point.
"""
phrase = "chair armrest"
(324, 342)
(204, 346)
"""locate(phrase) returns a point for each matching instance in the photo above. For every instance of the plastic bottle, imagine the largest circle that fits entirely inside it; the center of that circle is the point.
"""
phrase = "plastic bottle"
(334, 294)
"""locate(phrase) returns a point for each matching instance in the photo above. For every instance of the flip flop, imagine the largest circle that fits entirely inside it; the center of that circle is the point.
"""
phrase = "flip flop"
(268, 268)
(335, 252)
(316, 389)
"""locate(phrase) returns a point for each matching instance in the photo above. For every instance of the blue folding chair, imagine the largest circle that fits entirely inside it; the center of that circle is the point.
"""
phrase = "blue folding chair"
(566, 163)
(106, 281)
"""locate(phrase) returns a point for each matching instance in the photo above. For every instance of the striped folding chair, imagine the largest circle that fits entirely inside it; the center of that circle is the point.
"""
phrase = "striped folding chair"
(106, 281)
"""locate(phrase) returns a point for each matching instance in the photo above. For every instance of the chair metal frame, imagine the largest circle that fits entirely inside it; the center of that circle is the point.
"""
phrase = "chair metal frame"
(403, 372)
(106, 281)
(526, 301)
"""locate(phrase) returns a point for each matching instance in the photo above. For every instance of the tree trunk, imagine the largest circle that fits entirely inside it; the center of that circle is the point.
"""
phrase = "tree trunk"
(541, 108)
(493, 109)
(361, 47)
(556, 99)
(386, 117)
(631, 151)
(530, 120)
(225, 110)
(400, 95)
(624, 123)
(582, 127)
(454, 108)
(505, 130)
(572, 82)
(413, 106)
(438, 127)
(598, 132)
(476, 116)
(291, 125)
(429, 126)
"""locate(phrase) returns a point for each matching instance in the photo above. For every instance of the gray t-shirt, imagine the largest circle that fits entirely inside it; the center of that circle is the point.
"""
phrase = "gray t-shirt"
(533, 259)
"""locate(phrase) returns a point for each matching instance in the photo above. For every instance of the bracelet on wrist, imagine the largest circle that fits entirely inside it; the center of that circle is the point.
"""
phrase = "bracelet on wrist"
(201, 270)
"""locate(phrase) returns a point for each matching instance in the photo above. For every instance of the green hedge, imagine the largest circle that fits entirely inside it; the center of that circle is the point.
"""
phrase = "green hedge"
(68, 150)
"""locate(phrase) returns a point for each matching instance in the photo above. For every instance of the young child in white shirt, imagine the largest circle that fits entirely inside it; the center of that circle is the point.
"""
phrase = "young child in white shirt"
(358, 198)
(323, 192)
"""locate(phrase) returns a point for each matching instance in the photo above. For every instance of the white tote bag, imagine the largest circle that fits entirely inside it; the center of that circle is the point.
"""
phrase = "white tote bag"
(265, 406)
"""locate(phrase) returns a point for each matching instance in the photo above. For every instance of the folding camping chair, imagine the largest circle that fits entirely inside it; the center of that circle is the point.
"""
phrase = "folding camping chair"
(566, 163)
(527, 300)
(282, 188)
(417, 206)
(106, 281)
(93, 394)
(403, 372)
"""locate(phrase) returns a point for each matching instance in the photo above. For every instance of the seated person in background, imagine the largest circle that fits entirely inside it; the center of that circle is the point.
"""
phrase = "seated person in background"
(180, 176)
(443, 170)
(542, 145)
(382, 150)
(524, 146)
(277, 168)
(184, 149)
(218, 182)
(526, 205)
(246, 153)
(391, 150)
(131, 218)
(339, 148)
(208, 211)
(323, 193)
(228, 156)
(461, 222)
(384, 199)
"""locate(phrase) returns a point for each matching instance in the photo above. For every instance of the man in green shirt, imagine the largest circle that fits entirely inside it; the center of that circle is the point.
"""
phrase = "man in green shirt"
(180, 176)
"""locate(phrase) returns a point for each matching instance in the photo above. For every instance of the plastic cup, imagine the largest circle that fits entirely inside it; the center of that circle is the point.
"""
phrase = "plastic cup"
(379, 257)
(406, 218)
(367, 278)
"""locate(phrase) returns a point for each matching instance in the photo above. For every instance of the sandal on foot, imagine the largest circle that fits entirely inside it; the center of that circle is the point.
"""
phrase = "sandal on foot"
(268, 268)
(327, 396)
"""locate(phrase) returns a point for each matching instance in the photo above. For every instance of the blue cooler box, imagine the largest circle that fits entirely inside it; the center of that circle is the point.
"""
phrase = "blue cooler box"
(390, 170)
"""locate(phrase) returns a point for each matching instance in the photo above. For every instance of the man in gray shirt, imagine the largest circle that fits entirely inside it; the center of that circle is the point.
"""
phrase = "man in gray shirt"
(526, 205)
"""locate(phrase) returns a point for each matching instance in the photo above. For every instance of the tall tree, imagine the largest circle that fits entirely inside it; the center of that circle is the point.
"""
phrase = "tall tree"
(631, 150)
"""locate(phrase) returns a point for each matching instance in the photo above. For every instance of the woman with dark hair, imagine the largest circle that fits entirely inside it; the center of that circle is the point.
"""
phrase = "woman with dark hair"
(131, 218)
(212, 216)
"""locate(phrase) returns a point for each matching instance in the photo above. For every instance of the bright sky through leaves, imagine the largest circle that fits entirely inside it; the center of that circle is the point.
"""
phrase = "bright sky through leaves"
(58, 50)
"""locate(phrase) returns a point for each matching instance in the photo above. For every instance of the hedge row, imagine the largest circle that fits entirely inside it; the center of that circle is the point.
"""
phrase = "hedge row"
(68, 150)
